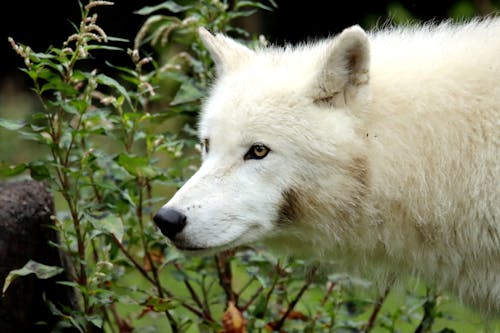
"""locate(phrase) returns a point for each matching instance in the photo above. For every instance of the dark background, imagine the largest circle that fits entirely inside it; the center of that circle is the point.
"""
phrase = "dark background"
(301, 20)
(42, 23)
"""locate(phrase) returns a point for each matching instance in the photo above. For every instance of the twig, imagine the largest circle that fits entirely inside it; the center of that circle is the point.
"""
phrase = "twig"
(329, 292)
(123, 324)
(268, 295)
(294, 302)
(141, 269)
(252, 299)
(429, 314)
(204, 292)
(376, 310)
(245, 286)
(205, 310)
(172, 322)
(134, 262)
(226, 276)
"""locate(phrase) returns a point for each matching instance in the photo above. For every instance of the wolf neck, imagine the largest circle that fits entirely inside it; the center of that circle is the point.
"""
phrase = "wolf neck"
(421, 150)
(395, 201)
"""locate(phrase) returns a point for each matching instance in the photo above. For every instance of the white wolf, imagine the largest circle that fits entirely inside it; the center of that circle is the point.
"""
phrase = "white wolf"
(378, 150)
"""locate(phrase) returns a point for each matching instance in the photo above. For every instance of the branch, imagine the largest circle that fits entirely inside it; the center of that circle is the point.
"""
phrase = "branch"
(206, 311)
(134, 262)
(429, 313)
(376, 309)
(331, 287)
(252, 299)
(294, 302)
(223, 264)
(268, 294)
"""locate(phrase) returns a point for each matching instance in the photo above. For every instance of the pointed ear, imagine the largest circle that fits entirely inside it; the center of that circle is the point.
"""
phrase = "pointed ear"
(226, 52)
(343, 73)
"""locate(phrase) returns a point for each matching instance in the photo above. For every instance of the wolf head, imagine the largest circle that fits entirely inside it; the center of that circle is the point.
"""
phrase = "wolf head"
(282, 150)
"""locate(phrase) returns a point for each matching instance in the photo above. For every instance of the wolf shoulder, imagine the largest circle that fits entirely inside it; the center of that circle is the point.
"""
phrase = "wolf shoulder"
(433, 121)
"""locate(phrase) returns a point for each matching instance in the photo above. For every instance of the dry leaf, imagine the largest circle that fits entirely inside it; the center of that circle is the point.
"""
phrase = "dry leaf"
(233, 320)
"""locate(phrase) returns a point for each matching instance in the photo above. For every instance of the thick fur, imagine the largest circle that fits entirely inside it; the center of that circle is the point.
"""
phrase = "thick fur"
(384, 154)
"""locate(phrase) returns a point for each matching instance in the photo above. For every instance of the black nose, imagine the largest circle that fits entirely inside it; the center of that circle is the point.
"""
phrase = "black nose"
(170, 221)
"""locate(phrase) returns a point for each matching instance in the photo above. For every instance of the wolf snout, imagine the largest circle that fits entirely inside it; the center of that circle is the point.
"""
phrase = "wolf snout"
(170, 221)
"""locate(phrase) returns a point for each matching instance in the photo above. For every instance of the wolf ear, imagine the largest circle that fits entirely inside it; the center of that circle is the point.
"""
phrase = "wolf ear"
(344, 71)
(226, 52)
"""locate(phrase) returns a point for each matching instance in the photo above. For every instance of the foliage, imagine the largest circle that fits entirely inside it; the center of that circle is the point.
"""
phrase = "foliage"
(115, 144)
(32, 267)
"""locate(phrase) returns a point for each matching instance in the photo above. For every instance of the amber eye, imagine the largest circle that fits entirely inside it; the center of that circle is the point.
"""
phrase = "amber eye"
(256, 152)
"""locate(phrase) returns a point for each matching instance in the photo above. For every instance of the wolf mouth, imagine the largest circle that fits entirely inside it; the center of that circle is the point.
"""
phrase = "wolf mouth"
(190, 246)
(193, 249)
(203, 251)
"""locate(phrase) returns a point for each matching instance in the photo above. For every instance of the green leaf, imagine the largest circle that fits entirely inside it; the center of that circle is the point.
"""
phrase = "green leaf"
(104, 47)
(39, 116)
(37, 56)
(169, 5)
(72, 284)
(11, 170)
(110, 82)
(260, 307)
(188, 92)
(255, 4)
(136, 165)
(32, 267)
(57, 84)
(12, 125)
(243, 13)
(33, 74)
(29, 135)
(447, 330)
(108, 225)
(118, 39)
(127, 70)
(158, 304)
(79, 104)
(38, 170)
(96, 320)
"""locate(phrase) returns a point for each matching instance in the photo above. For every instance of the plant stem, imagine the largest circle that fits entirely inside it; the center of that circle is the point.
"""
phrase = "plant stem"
(376, 310)
(294, 302)
(205, 310)
(132, 259)
(429, 314)
(252, 299)
(269, 292)
(223, 264)
(156, 278)
(329, 292)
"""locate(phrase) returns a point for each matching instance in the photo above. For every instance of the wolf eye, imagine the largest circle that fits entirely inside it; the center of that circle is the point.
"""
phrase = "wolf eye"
(205, 145)
(257, 152)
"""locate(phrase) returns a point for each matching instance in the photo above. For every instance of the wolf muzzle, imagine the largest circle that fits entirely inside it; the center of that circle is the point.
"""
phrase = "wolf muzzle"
(170, 221)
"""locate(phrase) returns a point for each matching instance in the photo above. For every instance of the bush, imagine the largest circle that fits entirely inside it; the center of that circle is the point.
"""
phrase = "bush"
(115, 144)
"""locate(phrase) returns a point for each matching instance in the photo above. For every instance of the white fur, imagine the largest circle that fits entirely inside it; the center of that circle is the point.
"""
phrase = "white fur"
(390, 140)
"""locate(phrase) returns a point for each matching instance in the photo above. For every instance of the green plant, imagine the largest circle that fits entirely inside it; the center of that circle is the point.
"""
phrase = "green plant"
(115, 144)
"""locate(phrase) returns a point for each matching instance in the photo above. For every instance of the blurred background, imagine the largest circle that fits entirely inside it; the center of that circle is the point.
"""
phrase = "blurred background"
(42, 23)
